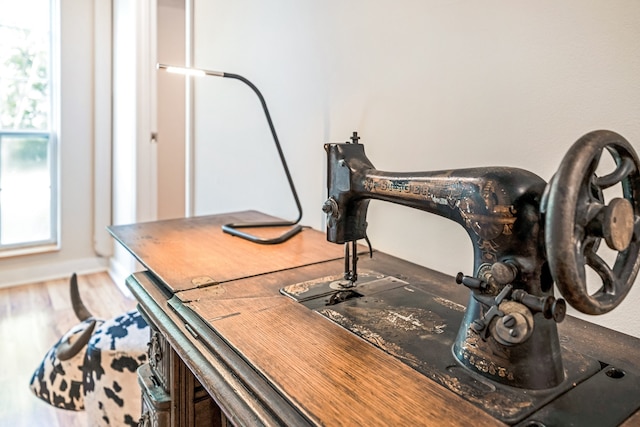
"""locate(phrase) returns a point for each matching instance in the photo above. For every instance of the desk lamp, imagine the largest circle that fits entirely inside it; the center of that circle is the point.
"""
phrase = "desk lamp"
(235, 228)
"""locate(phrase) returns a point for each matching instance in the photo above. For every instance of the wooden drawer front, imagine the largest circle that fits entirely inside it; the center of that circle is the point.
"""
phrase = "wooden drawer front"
(160, 360)
(158, 353)
(156, 403)
(153, 418)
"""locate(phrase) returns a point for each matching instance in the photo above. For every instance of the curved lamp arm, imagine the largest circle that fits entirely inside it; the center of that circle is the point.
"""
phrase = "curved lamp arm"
(234, 228)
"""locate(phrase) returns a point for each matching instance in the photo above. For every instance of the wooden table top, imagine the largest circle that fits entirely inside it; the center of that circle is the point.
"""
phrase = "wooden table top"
(194, 252)
(324, 372)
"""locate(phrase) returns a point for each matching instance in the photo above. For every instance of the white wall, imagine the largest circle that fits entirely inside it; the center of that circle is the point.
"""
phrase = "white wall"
(171, 111)
(429, 85)
(76, 159)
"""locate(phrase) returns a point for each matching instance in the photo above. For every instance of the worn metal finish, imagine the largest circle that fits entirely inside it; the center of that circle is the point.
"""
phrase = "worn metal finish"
(606, 399)
(500, 210)
(510, 322)
(577, 219)
(419, 328)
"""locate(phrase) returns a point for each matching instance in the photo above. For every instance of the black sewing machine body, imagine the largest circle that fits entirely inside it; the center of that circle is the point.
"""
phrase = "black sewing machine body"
(500, 210)
(526, 234)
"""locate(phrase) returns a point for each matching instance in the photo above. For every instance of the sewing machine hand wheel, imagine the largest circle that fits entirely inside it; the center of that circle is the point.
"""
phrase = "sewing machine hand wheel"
(577, 219)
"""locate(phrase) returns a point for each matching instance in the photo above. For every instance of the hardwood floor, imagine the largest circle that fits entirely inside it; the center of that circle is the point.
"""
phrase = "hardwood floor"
(32, 319)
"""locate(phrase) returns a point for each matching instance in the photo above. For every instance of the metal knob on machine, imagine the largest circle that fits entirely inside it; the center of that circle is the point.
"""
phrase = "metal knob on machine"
(504, 272)
(549, 306)
(470, 282)
(515, 326)
(615, 223)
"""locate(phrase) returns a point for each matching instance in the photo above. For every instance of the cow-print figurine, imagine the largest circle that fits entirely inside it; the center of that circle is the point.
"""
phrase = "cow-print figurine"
(93, 367)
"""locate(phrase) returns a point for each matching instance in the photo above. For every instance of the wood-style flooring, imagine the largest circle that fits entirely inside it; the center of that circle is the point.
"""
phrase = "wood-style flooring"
(32, 319)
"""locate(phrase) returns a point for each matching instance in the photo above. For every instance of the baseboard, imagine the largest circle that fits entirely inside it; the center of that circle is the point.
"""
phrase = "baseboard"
(119, 273)
(121, 265)
(41, 272)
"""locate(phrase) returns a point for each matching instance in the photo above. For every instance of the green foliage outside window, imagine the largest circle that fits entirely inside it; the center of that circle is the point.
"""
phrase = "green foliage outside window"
(24, 81)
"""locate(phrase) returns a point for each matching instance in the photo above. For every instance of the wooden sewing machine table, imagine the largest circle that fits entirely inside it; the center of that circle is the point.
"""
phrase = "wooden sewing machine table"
(228, 348)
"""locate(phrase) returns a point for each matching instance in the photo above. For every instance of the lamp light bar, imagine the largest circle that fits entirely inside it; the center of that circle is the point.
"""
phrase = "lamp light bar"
(187, 71)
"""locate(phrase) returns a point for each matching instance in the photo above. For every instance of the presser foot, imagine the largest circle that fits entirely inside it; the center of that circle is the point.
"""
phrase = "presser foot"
(344, 284)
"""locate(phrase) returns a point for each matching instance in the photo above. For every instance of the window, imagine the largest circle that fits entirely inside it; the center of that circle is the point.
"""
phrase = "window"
(28, 149)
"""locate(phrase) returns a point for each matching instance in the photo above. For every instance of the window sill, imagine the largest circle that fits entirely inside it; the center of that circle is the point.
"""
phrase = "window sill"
(29, 250)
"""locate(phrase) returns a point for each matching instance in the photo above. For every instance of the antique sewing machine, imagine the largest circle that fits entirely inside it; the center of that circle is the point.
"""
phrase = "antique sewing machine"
(506, 354)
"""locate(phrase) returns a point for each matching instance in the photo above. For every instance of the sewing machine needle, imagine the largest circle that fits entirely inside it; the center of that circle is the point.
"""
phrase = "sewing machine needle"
(351, 263)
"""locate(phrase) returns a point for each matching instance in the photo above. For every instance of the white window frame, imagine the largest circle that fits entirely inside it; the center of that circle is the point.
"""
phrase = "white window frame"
(53, 242)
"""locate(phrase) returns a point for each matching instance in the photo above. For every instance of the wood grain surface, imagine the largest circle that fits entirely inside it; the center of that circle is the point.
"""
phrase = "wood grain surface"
(328, 374)
(194, 252)
(334, 377)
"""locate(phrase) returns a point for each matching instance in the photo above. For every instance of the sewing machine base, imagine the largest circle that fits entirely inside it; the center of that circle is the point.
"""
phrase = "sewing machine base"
(419, 328)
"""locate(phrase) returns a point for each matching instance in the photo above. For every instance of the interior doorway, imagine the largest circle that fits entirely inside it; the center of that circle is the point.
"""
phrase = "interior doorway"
(171, 110)
(147, 146)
